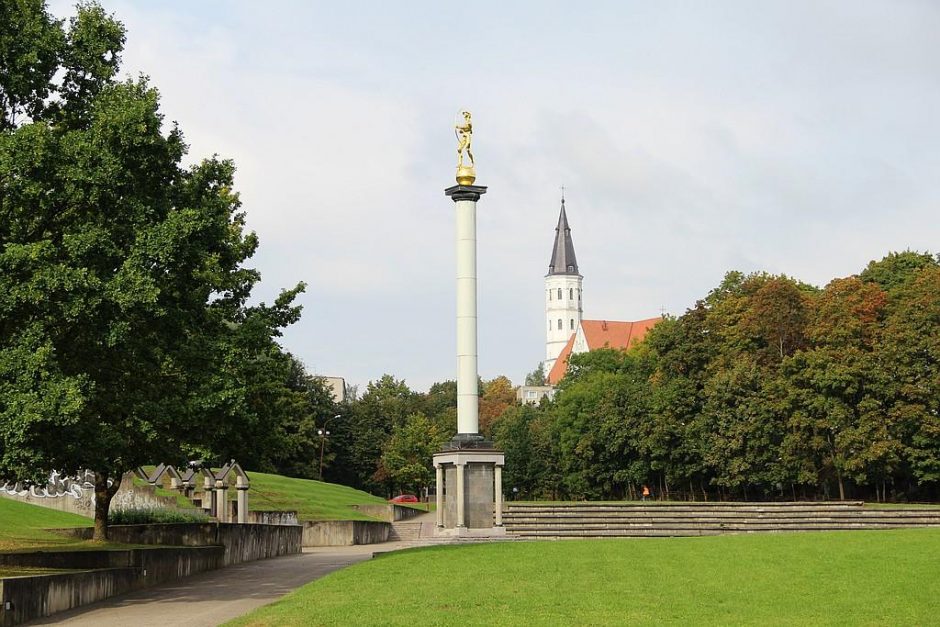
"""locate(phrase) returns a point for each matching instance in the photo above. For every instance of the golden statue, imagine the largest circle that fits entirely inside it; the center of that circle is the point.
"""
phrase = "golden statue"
(466, 174)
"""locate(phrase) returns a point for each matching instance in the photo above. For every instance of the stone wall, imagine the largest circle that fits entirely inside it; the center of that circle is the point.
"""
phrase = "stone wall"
(389, 512)
(242, 543)
(272, 518)
(345, 532)
(117, 572)
(82, 501)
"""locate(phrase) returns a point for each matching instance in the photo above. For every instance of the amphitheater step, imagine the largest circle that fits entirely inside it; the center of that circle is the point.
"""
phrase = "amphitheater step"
(572, 520)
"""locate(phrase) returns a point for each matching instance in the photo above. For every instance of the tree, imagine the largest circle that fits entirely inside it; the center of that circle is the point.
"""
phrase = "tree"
(908, 359)
(407, 454)
(366, 425)
(30, 45)
(121, 270)
(498, 395)
(537, 376)
(896, 269)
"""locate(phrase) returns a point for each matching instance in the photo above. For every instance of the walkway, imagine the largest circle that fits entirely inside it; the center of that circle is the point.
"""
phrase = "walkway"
(211, 598)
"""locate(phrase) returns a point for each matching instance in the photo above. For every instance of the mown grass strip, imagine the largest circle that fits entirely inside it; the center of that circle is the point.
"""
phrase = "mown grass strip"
(837, 578)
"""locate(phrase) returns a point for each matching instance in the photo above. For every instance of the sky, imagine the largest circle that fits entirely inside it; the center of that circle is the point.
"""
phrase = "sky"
(794, 137)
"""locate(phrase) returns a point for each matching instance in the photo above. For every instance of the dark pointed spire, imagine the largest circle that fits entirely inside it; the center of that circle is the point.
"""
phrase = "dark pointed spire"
(563, 257)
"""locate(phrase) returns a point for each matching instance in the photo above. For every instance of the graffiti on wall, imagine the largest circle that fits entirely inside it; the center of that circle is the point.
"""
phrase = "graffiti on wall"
(58, 485)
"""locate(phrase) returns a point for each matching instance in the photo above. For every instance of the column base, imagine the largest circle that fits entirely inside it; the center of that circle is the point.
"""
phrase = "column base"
(479, 472)
(466, 532)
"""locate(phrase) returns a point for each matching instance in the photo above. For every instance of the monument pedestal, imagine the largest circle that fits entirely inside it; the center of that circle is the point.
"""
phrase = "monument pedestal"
(469, 490)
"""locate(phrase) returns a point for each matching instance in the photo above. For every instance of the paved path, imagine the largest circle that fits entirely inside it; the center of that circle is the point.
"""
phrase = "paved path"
(211, 598)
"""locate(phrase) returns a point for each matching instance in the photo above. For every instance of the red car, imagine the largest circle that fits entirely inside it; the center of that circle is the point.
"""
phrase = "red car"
(404, 498)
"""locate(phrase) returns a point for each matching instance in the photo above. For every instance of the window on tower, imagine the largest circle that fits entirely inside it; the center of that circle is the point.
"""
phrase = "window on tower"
(572, 324)
(559, 324)
(559, 293)
(571, 293)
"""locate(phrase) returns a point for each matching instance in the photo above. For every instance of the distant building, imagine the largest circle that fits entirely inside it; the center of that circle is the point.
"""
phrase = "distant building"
(567, 333)
(533, 394)
(337, 385)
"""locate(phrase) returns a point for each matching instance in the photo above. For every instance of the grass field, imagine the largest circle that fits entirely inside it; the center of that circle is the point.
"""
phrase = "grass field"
(24, 526)
(313, 500)
(837, 578)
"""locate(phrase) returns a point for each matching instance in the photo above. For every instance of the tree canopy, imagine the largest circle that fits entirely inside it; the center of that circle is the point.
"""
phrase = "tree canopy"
(125, 330)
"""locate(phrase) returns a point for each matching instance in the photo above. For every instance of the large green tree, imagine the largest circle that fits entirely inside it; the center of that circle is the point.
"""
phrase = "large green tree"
(121, 276)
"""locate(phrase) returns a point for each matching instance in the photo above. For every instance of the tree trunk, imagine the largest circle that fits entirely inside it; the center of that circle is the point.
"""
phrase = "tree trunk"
(103, 495)
(841, 486)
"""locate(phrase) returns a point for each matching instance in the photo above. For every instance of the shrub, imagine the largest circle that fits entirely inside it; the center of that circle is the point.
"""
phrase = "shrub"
(158, 515)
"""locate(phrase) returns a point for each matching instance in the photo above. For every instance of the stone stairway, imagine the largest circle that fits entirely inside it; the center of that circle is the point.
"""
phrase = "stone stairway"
(580, 520)
(405, 531)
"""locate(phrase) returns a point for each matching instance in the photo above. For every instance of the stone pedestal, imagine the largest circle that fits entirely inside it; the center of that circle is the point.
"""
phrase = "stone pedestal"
(469, 492)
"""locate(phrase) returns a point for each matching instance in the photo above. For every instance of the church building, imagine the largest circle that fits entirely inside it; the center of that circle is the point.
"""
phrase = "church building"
(567, 332)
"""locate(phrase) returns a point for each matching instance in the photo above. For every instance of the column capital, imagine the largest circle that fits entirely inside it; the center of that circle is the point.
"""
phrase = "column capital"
(465, 192)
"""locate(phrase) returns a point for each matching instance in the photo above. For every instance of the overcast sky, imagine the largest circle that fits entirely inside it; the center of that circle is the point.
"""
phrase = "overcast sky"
(692, 138)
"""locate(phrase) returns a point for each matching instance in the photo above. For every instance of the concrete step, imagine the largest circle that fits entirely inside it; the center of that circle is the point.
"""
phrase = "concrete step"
(716, 527)
(560, 509)
(578, 520)
(405, 531)
(710, 518)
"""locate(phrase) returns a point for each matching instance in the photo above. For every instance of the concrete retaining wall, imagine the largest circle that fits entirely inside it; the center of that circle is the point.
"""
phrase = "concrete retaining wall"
(388, 512)
(129, 496)
(345, 532)
(36, 597)
(273, 518)
(118, 572)
(242, 543)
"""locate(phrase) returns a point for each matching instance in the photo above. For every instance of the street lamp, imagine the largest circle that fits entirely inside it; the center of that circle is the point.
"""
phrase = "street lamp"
(324, 434)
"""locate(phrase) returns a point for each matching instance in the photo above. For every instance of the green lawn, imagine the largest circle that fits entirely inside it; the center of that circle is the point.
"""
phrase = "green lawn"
(313, 500)
(837, 578)
(23, 526)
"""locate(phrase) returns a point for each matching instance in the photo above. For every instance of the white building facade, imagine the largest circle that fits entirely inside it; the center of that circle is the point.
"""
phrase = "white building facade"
(563, 292)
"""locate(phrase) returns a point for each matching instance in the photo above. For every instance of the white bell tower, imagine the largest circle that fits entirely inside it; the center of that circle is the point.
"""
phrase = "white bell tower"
(563, 295)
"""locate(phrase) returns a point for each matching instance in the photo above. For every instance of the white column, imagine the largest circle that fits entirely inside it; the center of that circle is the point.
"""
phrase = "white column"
(461, 521)
(221, 511)
(499, 495)
(439, 496)
(242, 499)
(467, 401)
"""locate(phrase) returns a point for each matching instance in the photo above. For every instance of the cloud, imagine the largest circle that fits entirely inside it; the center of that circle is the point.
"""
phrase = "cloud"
(693, 139)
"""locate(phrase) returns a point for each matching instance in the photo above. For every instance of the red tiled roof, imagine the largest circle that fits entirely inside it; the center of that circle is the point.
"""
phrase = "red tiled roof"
(615, 334)
(603, 334)
(561, 363)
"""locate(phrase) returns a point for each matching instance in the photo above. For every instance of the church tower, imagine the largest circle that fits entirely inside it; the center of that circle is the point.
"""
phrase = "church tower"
(562, 292)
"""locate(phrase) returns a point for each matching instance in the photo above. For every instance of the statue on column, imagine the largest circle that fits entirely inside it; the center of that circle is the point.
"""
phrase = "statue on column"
(466, 174)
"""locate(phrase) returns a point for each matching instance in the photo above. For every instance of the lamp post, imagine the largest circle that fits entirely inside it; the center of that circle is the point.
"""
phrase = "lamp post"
(324, 434)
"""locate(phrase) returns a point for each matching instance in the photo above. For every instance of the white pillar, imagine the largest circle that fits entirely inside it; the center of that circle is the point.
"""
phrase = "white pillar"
(439, 496)
(242, 499)
(467, 401)
(221, 511)
(461, 521)
(499, 495)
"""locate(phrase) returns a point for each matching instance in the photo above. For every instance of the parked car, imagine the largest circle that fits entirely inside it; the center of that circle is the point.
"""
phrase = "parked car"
(404, 498)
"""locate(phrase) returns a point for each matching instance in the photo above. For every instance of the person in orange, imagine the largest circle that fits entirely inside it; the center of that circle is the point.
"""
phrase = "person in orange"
(646, 491)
